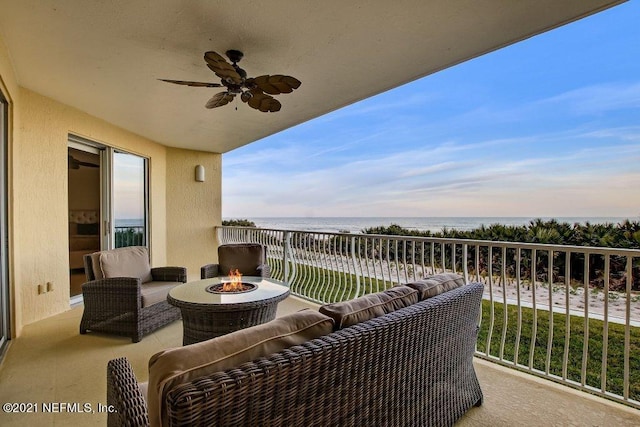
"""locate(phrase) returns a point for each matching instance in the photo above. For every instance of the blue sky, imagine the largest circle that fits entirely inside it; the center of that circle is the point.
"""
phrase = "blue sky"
(546, 127)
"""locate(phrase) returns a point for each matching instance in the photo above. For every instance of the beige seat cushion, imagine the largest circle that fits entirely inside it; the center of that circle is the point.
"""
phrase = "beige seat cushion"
(170, 368)
(132, 261)
(434, 285)
(155, 292)
(367, 307)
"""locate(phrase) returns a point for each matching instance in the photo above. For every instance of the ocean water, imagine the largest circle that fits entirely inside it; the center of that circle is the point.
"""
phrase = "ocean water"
(433, 224)
(129, 222)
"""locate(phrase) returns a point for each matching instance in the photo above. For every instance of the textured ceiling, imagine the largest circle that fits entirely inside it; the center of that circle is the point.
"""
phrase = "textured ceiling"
(104, 57)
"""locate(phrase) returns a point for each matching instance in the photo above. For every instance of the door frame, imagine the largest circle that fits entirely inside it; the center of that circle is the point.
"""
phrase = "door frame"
(5, 276)
(107, 215)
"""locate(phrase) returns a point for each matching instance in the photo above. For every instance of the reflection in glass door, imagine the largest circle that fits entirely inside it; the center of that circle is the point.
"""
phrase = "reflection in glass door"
(129, 200)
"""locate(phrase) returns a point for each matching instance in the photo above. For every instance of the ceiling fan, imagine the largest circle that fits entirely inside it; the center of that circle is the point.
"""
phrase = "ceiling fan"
(75, 163)
(255, 91)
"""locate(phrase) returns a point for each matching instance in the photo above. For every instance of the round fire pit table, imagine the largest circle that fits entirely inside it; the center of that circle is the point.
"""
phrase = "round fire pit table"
(207, 314)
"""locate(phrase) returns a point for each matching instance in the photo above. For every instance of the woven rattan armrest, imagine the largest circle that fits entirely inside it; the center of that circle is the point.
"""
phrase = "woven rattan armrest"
(119, 293)
(169, 274)
(208, 271)
(128, 406)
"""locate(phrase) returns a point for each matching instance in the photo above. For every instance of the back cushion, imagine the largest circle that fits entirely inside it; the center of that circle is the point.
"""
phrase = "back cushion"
(132, 261)
(176, 366)
(367, 307)
(434, 285)
(243, 257)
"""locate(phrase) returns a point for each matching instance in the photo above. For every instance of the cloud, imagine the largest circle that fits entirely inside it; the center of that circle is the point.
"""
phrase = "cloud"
(599, 99)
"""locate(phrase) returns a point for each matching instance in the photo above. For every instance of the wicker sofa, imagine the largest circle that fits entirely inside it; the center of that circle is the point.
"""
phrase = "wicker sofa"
(412, 366)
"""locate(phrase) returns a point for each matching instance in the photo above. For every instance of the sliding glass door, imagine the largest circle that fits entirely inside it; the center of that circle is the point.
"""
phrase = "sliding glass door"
(108, 203)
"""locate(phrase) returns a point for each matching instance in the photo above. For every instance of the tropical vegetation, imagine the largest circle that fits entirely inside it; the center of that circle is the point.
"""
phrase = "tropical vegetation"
(624, 235)
(238, 223)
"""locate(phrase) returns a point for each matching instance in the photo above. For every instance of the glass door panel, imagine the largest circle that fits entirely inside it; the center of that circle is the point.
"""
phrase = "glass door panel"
(129, 200)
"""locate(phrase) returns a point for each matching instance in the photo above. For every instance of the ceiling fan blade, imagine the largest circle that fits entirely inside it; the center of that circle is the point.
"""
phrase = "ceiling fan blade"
(263, 102)
(220, 99)
(275, 84)
(222, 68)
(87, 164)
(196, 84)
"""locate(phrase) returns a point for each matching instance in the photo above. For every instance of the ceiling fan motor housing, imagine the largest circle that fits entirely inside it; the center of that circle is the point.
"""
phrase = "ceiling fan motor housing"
(234, 55)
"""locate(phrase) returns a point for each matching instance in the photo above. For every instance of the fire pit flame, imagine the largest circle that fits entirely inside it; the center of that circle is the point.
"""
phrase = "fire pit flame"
(234, 285)
(235, 282)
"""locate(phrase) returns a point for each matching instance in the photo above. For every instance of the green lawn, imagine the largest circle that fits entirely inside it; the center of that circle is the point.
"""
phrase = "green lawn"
(615, 350)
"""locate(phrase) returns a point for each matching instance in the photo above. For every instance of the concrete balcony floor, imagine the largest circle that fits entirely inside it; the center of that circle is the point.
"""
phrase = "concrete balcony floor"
(51, 362)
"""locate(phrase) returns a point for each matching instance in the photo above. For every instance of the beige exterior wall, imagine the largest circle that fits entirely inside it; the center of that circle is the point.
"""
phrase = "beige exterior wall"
(193, 209)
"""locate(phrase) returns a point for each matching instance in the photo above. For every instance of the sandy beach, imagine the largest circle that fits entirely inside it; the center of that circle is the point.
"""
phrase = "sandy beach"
(579, 303)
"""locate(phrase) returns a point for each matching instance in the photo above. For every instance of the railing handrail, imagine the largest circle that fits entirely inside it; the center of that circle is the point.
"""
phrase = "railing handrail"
(600, 250)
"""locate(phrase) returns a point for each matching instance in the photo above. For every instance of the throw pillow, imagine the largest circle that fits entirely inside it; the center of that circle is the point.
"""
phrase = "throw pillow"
(436, 284)
(369, 306)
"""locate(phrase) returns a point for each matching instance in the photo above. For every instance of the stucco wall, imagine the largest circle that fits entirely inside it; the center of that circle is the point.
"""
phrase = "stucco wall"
(193, 209)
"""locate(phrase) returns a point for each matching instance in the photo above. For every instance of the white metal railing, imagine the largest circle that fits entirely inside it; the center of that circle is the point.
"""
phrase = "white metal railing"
(570, 314)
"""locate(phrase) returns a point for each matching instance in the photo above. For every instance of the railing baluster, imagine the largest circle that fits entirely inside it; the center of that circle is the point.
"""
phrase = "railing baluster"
(453, 258)
(285, 256)
(534, 325)
(423, 271)
(585, 331)
(627, 328)
(547, 365)
(567, 313)
(505, 315)
(413, 259)
(519, 302)
(491, 307)
(388, 262)
(433, 256)
(404, 262)
(605, 325)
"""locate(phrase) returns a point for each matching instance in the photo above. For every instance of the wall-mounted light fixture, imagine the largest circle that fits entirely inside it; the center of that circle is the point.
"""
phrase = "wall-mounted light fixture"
(199, 173)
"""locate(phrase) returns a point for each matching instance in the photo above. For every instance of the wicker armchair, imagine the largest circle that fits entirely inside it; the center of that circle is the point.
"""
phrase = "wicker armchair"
(131, 306)
(249, 259)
